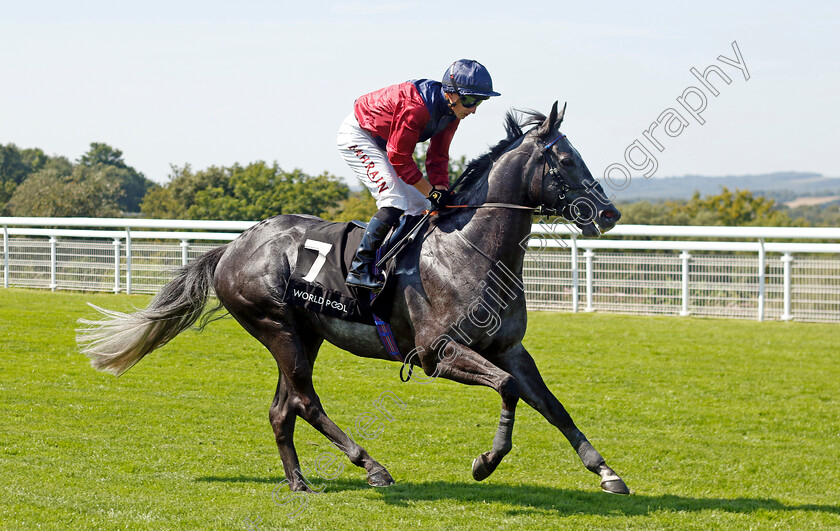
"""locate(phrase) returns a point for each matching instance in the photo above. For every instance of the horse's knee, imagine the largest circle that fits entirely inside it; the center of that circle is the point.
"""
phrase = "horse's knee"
(428, 361)
(509, 389)
(431, 369)
(308, 408)
(282, 437)
(279, 418)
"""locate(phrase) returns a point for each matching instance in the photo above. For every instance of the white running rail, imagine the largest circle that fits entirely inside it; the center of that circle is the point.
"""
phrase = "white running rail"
(732, 272)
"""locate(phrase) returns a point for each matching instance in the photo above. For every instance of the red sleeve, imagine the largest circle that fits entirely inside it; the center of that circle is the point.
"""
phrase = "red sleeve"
(437, 157)
(409, 119)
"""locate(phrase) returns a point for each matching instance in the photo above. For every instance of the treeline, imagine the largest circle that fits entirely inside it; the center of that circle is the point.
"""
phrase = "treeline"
(739, 208)
(251, 192)
(101, 184)
(98, 184)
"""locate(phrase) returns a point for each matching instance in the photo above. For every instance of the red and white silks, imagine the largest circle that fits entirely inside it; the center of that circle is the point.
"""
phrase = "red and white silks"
(370, 164)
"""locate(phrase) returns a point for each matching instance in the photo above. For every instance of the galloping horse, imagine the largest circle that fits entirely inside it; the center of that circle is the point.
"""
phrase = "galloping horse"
(458, 305)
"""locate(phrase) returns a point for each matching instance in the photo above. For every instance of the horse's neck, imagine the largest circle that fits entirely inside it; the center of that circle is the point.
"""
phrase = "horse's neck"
(498, 234)
(506, 180)
(499, 231)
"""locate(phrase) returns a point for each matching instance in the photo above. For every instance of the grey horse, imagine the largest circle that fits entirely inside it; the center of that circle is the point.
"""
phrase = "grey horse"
(458, 305)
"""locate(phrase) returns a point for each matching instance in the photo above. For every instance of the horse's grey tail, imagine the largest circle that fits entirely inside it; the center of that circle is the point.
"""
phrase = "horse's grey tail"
(115, 342)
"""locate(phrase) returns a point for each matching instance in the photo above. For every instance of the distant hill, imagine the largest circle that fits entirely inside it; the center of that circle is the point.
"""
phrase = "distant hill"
(782, 186)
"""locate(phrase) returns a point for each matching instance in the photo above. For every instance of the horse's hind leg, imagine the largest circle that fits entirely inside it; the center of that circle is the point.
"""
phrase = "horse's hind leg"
(296, 397)
(282, 416)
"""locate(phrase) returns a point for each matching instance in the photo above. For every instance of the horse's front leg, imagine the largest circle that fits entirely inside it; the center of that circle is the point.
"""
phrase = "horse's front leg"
(458, 363)
(535, 393)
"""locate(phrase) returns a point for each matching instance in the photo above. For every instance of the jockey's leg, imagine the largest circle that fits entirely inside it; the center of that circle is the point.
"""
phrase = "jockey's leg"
(361, 269)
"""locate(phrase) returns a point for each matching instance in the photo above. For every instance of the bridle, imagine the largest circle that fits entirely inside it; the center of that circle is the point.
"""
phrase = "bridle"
(539, 189)
(550, 161)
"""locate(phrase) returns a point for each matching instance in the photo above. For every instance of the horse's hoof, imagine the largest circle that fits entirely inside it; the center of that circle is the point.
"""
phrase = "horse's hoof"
(303, 487)
(482, 468)
(380, 478)
(614, 485)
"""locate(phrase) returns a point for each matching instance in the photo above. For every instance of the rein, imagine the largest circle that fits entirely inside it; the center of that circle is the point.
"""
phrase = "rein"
(494, 205)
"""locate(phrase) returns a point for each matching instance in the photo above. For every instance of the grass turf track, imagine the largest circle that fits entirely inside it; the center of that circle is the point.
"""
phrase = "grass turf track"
(714, 424)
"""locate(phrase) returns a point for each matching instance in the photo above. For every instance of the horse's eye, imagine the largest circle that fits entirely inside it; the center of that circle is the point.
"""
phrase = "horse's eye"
(567, 161)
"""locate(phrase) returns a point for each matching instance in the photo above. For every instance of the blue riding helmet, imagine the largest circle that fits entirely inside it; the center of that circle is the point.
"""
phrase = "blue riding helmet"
(468, 77)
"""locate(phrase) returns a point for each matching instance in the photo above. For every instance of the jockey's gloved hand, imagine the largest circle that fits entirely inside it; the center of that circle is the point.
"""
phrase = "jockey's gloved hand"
(439, 198)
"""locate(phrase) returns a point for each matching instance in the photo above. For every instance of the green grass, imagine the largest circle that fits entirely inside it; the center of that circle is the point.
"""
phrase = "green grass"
(713, 424)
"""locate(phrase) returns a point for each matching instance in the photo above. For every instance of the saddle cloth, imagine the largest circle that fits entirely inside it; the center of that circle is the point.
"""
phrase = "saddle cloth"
(317, 282)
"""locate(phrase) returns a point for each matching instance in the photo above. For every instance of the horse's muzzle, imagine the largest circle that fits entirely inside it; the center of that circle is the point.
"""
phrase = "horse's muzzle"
(607, 219)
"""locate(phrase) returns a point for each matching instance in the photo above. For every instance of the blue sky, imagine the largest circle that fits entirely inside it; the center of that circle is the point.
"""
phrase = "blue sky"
(211, 83)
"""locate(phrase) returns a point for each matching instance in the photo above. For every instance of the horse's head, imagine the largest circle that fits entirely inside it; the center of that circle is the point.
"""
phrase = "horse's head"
(539, 169)
(559, 181)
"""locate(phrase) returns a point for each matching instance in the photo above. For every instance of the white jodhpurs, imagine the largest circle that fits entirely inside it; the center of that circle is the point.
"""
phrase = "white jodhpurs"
(370, 164)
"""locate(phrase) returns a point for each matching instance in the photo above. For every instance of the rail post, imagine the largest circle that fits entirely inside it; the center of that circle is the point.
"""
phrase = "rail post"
(116, 265)
(575, 279)
(787, 259)
(5, 256)
(128, 260)
(762, 262)
(590, 279)
(685, 257)
(185, 246)
(53, 262)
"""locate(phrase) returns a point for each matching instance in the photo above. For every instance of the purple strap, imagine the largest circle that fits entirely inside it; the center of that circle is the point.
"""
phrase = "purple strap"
(383, 328)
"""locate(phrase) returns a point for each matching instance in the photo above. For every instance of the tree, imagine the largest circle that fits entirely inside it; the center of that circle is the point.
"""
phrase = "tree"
(825, 215)
(159, 203)
(360, 205)
(15, 166)
(175, 198)
(134, 184)
(649, 213)
(100, 153)
(739, 208)
(60, 190)
(456, 166)
(733, 209)
(255, 191)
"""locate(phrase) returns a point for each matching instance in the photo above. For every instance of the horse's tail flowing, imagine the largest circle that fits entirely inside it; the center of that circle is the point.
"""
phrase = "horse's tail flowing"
(115, 342)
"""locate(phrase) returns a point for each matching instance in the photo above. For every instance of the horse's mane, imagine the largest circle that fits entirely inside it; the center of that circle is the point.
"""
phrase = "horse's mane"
(477, 168)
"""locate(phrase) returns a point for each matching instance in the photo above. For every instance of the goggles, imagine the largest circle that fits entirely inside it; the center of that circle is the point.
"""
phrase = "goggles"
(470, 101)
(467, 100)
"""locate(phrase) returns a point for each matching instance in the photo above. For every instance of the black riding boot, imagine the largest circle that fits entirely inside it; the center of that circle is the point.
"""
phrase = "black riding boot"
(361, 270)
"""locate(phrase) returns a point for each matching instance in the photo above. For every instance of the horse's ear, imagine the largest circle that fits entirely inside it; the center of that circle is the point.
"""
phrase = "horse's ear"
(562, 112)
(554, 119)
(548, 124)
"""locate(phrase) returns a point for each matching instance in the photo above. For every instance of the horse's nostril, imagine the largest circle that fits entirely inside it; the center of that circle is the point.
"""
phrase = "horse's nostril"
(609, 214)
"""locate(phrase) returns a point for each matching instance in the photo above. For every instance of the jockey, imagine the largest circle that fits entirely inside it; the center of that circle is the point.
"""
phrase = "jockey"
(378, 139)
